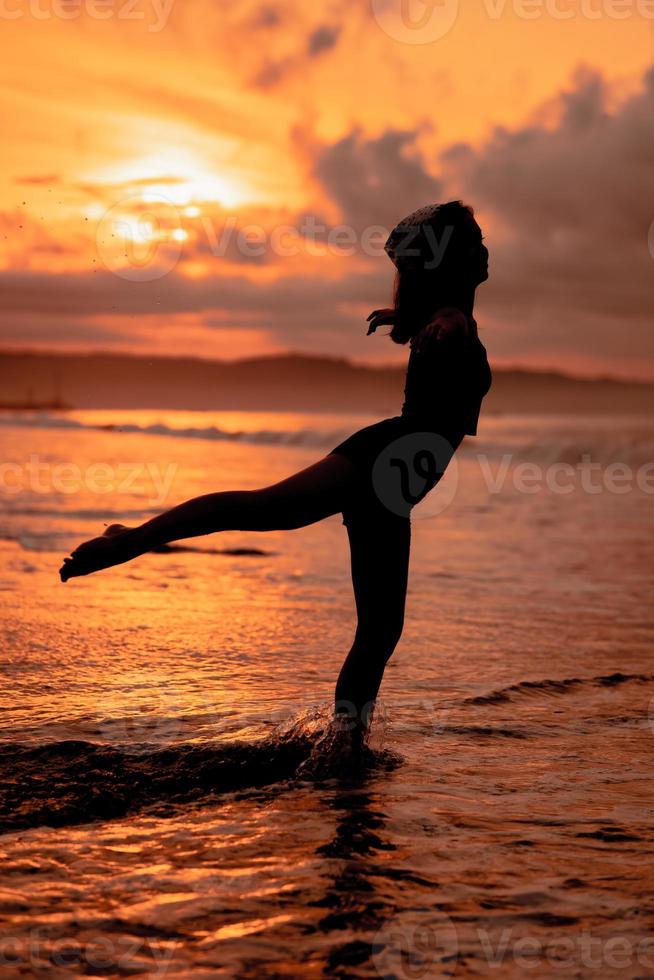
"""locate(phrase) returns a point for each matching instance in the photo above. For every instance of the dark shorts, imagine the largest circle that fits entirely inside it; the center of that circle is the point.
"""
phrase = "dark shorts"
(397, 461)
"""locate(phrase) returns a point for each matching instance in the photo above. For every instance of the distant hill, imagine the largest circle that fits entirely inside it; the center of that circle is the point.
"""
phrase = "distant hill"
(291, 382)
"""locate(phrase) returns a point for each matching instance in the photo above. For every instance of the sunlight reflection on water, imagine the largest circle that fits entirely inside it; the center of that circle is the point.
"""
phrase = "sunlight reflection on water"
(173, 700)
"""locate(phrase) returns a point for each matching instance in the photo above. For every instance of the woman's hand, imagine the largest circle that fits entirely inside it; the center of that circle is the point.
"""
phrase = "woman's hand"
(111, 548)
(448, 324)
(381, 318)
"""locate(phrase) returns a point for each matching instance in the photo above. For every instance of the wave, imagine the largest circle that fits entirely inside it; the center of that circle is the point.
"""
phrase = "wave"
(544, 440)
(635, 449)
(483, 731)
(70, 782)
(308, 437)
(16, 507)
(552, 688)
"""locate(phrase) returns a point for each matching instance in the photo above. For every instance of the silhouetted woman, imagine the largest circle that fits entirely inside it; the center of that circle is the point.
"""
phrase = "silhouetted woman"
(376, 476)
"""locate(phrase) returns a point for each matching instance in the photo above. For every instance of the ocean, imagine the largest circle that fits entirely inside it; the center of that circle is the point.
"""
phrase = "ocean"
(156, 819)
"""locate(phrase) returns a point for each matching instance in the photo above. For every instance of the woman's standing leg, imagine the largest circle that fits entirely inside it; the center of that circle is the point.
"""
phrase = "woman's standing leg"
(380, 567)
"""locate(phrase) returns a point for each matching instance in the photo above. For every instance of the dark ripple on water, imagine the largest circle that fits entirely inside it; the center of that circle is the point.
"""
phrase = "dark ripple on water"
(550, 688)
(69, 782)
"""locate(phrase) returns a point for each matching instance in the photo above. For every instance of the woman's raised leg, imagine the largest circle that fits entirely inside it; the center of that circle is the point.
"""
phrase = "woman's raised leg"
(311, 495)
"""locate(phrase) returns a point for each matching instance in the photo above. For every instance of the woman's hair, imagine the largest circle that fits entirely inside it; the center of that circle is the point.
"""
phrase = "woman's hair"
(430, 255)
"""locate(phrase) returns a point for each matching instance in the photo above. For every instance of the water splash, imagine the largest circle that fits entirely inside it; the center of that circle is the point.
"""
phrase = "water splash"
(71, 782)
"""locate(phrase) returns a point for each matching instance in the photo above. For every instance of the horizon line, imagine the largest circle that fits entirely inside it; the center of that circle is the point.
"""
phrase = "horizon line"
(311, 356)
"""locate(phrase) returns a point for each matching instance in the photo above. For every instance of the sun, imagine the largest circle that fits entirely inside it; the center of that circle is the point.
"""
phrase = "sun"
(176, 175)
(195, 189)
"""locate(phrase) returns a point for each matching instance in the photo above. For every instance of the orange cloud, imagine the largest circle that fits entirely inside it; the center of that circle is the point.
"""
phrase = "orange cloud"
(267, 127)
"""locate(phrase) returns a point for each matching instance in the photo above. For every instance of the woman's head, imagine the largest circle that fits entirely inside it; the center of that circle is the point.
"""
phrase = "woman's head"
(440, 259)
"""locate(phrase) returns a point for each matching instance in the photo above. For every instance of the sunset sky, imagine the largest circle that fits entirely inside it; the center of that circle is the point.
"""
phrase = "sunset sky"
(165, 164)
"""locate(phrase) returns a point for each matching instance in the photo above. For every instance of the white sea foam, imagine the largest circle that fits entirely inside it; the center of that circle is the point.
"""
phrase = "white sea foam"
(541, 439)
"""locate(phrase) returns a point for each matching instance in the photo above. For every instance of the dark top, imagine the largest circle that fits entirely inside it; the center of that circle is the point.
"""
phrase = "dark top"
(447, 376)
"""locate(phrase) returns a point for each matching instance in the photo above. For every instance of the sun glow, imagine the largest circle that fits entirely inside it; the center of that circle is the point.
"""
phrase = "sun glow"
(177, 176)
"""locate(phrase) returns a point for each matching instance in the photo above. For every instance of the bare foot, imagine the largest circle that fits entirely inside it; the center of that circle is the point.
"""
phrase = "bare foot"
(111, 548)
(338, 752)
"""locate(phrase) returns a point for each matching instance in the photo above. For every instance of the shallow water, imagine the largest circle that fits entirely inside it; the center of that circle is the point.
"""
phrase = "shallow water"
(157, 816)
